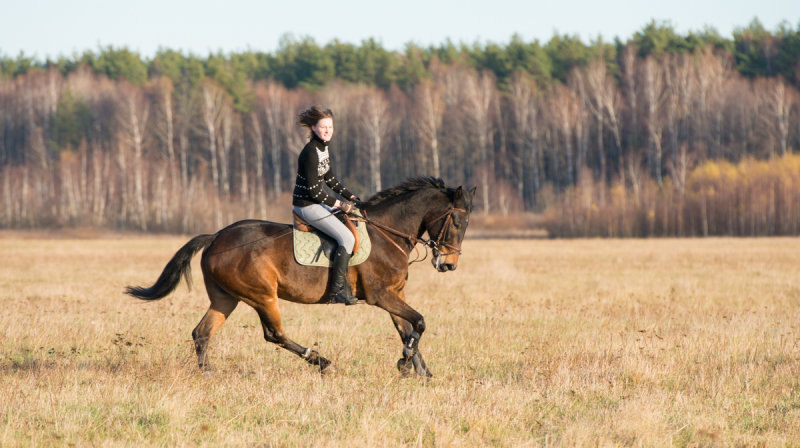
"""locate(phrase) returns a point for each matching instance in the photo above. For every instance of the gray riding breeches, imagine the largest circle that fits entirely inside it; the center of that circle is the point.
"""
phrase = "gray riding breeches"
(320, 216)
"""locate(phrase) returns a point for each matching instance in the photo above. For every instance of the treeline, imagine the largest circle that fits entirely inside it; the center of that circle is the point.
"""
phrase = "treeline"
(749, 198)
(302, 62)
(184, 144)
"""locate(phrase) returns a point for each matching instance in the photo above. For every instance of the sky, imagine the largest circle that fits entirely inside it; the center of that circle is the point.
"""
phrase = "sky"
(53, 28)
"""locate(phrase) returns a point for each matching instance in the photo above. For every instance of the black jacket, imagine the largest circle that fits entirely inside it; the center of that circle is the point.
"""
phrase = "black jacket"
(313, 173)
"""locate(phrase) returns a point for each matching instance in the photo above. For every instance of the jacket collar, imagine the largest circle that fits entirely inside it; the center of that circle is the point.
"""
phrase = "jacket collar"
(315, 138)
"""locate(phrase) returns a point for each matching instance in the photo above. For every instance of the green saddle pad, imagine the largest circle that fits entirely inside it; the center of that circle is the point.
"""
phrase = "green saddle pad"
(315, 248)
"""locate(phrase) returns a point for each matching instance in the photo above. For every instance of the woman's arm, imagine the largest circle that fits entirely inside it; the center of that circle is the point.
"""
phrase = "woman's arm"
(337, 186)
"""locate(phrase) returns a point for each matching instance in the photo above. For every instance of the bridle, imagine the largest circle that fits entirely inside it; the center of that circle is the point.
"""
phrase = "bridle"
(439, 242)
(436, 244)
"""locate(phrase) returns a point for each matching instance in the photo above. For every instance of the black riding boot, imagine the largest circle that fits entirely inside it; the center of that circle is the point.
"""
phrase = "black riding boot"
(340, 287)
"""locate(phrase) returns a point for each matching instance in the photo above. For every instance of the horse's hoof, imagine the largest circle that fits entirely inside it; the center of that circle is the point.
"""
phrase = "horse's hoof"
(404, 366)
(419, 366)
(423, 373)
(330, 369)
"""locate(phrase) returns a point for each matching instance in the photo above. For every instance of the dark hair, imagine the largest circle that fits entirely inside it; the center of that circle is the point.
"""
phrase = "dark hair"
(312, 115)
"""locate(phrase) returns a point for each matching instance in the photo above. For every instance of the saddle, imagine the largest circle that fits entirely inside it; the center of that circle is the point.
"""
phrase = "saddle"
(314, 248)
(301, 225)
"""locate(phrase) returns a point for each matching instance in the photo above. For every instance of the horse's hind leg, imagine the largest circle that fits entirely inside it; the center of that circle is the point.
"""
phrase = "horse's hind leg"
(270, 317)
(405, 364)
(222, 305)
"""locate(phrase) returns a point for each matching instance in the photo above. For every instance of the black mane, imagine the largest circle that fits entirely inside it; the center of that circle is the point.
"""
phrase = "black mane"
(409, 185)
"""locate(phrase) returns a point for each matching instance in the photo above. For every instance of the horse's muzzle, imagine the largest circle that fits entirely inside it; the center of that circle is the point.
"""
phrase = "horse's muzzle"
(444, 263)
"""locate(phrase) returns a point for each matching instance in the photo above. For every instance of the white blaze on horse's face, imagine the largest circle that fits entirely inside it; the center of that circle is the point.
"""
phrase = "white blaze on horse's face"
(324, 129)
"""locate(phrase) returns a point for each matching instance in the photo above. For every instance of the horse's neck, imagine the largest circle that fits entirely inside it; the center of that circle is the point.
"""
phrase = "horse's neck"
(408, 216)
(398, 219)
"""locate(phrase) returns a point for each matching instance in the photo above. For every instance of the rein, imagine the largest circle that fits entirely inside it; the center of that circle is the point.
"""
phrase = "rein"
(414, 240)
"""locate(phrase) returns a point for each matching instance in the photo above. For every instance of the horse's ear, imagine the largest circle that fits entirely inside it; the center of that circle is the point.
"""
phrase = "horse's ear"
(459, 193)
(472, 192)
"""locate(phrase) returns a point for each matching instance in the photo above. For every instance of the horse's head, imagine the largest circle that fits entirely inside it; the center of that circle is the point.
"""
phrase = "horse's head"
(447, 228)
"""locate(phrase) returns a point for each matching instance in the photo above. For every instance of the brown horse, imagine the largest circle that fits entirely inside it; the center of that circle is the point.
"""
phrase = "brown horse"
(252, 261)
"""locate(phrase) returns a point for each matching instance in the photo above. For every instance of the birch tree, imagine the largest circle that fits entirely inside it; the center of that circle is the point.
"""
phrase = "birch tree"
(653, 90)
(427, 120)
(257, 137)
(777, 105)
(604, 105)
(563, 107)
(276, 109)
(376, 123)
(479, 94)
(133, 116)
(523, 102)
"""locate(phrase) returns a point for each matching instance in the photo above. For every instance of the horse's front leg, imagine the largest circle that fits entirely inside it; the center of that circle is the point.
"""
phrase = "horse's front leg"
(411, 325)
(415, 359)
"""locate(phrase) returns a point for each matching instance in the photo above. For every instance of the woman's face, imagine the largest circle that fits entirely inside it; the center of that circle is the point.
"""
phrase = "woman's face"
(324, 129)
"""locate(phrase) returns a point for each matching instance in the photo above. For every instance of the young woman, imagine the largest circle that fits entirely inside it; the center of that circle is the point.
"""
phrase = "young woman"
(315, 203)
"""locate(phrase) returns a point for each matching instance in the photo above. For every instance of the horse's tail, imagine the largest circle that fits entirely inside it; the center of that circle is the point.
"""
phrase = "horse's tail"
(171, 276)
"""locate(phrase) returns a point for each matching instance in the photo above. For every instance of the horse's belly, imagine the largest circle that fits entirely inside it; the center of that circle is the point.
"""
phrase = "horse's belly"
(303, 284)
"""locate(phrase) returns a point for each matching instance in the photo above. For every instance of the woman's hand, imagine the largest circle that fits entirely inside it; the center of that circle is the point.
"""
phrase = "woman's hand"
(357, 201)
(346, 206)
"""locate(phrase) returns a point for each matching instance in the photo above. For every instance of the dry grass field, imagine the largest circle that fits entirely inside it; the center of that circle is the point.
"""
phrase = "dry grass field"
(659, 342)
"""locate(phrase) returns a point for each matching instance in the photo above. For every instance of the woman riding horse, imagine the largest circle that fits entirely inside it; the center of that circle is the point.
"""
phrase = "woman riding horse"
(314, 205)
(252, 261)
